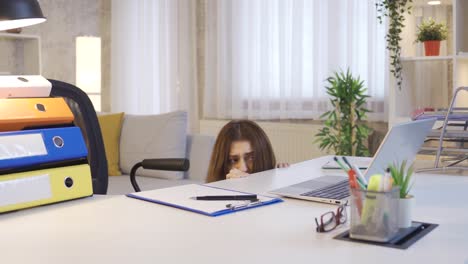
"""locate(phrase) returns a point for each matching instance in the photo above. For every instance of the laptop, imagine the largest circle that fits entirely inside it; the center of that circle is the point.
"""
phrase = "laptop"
(402, 142)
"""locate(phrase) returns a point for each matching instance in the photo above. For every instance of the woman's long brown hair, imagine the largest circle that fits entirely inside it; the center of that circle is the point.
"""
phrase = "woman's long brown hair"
(264, 158)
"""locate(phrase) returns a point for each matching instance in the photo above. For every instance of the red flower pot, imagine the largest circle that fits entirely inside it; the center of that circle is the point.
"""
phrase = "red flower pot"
(432, 47)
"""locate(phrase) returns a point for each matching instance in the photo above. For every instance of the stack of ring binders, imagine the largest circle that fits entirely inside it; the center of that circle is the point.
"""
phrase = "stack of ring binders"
(43, 156)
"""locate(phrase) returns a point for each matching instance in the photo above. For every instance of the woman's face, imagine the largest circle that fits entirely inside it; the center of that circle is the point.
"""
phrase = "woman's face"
(241, 156)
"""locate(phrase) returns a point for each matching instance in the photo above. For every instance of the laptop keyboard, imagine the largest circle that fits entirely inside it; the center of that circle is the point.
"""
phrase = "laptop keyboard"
(337, 191)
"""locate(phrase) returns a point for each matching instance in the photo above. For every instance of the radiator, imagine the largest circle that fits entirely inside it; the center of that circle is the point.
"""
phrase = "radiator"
(291, 142)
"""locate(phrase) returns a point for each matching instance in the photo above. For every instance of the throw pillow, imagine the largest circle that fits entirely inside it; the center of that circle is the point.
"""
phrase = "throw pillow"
(111, 126)
(152, 137)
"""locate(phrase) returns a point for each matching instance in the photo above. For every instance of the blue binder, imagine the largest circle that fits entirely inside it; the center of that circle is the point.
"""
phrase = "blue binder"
(27, 148)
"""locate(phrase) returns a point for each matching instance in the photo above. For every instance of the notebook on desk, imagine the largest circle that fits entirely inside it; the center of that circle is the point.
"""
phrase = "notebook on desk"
(402, 142)
(181, 197)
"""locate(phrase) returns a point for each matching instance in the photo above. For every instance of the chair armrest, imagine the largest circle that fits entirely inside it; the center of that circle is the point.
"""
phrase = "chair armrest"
(158, 164)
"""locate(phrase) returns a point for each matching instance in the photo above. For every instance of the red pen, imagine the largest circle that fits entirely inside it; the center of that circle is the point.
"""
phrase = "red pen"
(354, 186)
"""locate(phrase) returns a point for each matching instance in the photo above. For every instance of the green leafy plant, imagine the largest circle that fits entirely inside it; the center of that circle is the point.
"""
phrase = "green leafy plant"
(395, 11)
(345, 131)
(402, 177)
(431, 30)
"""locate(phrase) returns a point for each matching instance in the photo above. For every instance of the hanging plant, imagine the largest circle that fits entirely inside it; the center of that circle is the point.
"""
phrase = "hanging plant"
(395, 10)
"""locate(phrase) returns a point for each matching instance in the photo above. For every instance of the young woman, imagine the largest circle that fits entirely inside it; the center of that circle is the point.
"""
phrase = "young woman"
(241, 148)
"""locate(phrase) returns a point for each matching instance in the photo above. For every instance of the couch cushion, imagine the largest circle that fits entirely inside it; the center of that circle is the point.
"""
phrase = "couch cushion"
(111, 125)
(152, 137)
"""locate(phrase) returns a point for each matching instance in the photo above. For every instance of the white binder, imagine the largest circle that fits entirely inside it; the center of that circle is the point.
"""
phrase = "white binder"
(12, 86)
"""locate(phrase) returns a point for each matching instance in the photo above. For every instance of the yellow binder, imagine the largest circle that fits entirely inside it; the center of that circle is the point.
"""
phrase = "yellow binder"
(39, 187)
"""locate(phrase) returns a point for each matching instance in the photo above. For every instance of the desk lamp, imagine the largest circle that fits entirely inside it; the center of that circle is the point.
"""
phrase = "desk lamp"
(19, 13)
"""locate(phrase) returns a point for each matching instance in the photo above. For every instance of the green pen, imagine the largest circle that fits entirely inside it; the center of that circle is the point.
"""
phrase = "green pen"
(362, 185)
(340, 164)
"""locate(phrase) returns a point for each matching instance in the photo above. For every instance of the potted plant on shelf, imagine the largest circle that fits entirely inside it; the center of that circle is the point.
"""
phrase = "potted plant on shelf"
(402, 177)
(345, 131)
(431, 34)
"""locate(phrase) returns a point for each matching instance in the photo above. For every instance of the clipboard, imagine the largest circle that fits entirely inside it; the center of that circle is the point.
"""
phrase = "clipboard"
(180, 197)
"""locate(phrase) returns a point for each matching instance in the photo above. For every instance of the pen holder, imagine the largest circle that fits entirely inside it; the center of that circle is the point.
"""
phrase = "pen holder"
(374, 215)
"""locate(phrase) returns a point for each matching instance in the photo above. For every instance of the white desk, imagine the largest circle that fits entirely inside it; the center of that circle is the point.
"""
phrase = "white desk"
(117, 229)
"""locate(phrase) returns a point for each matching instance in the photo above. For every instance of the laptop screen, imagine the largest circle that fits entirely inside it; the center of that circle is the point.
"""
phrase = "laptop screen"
(402, 142)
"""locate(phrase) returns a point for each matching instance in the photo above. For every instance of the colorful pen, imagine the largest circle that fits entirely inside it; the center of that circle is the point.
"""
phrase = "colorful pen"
(353, 186)
(359, 175)
(387, 181)
(347, 162)
(339, 163)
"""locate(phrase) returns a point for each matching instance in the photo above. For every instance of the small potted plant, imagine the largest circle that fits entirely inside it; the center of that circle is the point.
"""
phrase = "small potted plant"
(402, 177)
(431, 34)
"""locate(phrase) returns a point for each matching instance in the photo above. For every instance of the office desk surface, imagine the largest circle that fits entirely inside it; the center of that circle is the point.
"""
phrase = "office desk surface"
(117, 229)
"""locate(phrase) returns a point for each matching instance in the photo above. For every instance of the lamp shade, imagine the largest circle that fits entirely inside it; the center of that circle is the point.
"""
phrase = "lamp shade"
(19, 13)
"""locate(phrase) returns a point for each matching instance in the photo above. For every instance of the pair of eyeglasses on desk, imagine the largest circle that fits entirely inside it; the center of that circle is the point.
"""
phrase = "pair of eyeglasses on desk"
(330, 220)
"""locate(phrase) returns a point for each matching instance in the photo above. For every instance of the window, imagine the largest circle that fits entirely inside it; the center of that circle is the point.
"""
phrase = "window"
(88, 68)
(270, 59)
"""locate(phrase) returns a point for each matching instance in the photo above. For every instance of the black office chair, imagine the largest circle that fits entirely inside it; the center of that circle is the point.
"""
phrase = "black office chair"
(86, 120)
(158, 164)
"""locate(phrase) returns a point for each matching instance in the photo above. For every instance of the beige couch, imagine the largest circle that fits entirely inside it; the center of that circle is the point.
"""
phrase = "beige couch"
(160, 136)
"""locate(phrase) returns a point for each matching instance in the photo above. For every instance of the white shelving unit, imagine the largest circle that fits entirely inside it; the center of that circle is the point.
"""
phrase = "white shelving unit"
(21, 54)
(426, 58)
(430, 81)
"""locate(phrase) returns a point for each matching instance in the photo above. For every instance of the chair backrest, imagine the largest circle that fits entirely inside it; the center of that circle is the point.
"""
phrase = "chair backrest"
(199, 148)
(86, 119)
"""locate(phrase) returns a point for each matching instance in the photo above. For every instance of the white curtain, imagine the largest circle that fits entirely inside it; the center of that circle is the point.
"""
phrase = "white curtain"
(269, 59)
(153, 57)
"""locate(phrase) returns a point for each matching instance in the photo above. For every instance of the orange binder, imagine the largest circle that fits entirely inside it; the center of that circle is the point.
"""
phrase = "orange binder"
(20, 113)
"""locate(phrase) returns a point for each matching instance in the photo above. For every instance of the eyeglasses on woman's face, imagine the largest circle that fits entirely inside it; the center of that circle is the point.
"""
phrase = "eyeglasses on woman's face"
(330, 220)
